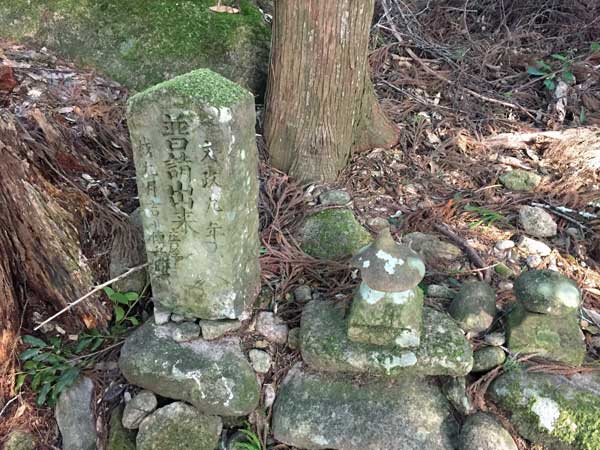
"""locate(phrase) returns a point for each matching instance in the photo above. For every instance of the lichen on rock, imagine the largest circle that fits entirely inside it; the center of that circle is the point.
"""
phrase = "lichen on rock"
(179, 426)
(325, 346)
(553, 410)
(213, 376)
(333, 411)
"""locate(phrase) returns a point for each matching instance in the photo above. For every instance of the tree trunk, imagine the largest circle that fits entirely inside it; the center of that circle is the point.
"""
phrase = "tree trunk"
(321, 104)
(41, 265)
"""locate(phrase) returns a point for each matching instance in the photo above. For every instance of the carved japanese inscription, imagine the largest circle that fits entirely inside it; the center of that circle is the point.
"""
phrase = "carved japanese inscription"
(196, 163)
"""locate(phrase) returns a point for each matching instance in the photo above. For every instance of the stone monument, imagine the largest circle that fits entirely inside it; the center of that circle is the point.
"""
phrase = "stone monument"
(196, 163)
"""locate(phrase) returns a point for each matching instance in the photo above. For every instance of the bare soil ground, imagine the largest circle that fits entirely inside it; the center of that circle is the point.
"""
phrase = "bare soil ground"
(454, 75)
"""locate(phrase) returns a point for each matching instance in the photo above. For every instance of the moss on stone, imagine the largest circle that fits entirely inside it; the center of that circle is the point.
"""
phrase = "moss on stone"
(326, 347)
(520, 180)
(179, 426)
(20, 440)
(551, 409)
(202, 85)
(143, 42)
(333, 234)
(119, 438)
(552, 337)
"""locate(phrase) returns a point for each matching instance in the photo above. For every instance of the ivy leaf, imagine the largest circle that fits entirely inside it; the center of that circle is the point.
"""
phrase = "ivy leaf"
(568, 77)
(97, 343)
(536, 72)
(131, 296)
(82, 344)
(67, 379)
(29, 353)
(109, 292)
(37, 380)
(19, 381)
(134, 321)
(550, 85)
(41, 398)
(544, 66)
(595, 47)
(33, 341)
(119, 314)
(30, 366)
(560, 57)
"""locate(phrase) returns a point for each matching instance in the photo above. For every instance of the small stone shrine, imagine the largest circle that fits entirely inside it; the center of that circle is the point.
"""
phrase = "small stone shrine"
(196, 162)
(388, 307)
(394, 342)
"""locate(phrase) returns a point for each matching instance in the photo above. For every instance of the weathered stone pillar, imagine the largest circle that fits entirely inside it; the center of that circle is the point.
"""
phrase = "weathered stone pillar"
(196, 162)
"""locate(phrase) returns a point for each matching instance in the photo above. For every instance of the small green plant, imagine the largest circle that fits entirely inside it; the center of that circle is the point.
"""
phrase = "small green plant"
(487, 217)
(252, 440)
(52, 366)
(123, 304)
(511, 364)
(549, 74)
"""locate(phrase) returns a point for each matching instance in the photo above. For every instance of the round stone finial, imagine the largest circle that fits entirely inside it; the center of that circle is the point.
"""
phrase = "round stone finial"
(388, 266)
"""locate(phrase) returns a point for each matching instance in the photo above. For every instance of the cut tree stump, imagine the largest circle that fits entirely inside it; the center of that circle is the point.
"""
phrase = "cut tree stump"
(42, 267)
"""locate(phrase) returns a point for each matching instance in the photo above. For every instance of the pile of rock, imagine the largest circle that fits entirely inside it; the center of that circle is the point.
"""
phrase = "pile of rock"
(394, 342)
(545, 320)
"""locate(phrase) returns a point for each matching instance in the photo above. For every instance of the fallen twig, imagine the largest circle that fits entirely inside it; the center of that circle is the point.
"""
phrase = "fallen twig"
(471, 252)
(93, 291)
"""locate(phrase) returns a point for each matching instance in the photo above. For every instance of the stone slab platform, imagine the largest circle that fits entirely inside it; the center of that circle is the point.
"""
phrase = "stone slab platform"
(325, 346)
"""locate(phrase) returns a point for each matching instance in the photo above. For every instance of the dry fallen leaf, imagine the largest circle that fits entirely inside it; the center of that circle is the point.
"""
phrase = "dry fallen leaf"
(224, 9)
(7, 80)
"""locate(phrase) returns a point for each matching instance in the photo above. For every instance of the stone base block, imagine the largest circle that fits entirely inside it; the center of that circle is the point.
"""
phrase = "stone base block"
(552, 337)
(325, 346)
(326, 411)
(386, 318)
(213, 376)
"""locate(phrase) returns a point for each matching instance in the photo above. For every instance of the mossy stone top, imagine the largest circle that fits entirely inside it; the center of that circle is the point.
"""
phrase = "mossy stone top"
(203, 86)
(547, 292)
(388, 266)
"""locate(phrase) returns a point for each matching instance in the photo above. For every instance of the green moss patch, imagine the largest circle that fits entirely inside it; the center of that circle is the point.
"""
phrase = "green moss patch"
(143, 42)
(552, 410)
(333, 234)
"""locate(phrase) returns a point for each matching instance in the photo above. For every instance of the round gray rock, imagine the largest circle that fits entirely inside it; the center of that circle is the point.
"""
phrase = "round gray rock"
(186, 331)
(138, 408)
(214, 376)
(533, 247)
(484, 432)
(335, 197)
(547, 292)
(455, 389)
(271, 327)
(474, 307)
(495, 339)
(537, 222)
(20, 440)
(179, 426)
(487, 358)
(260, 360)
(303, 293)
